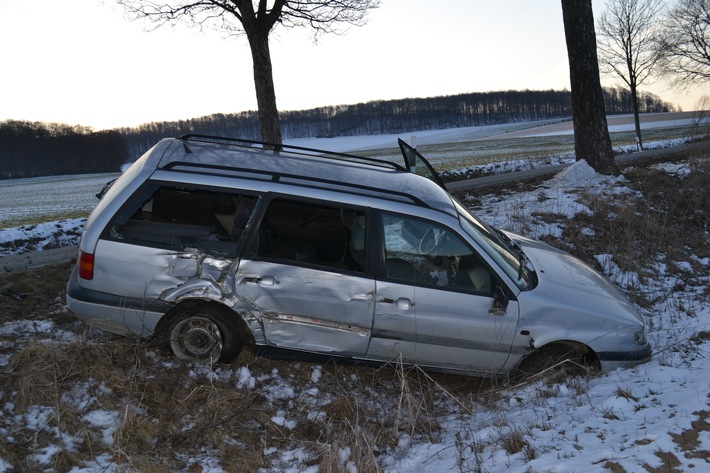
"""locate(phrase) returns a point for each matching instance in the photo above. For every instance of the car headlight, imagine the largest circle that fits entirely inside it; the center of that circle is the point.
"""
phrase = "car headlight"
(640, 337)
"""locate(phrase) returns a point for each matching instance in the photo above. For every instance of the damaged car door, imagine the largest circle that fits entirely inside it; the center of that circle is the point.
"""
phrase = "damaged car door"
(304, 279)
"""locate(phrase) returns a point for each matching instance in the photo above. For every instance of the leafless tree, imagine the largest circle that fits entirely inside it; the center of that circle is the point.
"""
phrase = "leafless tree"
(685, 44)
(627, 36)
(256, 19)
(591, 132)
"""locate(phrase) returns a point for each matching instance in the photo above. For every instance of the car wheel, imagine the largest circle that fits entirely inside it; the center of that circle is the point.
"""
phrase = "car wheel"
(555, 360)
(204, 333)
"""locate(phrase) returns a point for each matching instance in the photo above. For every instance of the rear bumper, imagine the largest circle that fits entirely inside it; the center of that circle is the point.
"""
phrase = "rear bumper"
(113, 313)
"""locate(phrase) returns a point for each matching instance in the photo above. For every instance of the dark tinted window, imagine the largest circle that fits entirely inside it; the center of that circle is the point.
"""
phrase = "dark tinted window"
(313, 234)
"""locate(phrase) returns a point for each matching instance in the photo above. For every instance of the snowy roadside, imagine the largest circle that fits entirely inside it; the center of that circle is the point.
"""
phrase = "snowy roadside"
(654, 416)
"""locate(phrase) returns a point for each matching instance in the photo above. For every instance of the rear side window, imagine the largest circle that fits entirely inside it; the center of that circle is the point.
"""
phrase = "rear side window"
(314, 234)
(183, 217)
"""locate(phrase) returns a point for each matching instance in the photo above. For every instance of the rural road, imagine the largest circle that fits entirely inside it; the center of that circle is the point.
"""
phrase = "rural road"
(565, 127)
(494, 179)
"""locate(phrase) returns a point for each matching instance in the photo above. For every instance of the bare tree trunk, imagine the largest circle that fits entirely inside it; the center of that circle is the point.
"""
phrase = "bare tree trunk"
(264, 84)
(637, 120)
(591, 132)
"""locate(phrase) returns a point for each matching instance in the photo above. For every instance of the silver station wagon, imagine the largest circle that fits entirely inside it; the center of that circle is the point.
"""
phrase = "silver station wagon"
(210, 244)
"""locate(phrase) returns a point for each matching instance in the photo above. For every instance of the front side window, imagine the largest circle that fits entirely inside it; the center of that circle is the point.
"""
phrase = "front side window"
(425, 253)
(183, 217)
(314, 234)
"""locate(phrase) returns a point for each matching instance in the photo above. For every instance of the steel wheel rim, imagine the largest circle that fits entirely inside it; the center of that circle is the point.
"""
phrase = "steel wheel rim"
(197, 338)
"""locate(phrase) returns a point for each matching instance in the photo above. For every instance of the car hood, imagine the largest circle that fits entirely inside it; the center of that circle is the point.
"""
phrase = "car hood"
(572, 283)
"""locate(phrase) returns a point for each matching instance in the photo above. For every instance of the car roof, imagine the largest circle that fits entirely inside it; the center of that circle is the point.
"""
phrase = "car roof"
(300, 167)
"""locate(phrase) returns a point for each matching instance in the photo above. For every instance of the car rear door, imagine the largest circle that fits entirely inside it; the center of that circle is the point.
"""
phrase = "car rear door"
(305, 279)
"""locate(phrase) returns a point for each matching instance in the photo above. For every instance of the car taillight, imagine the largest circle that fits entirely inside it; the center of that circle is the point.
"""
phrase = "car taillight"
(86, 265)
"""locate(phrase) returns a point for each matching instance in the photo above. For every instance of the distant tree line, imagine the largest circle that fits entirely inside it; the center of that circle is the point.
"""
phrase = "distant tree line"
(394, 116)
(30, 149)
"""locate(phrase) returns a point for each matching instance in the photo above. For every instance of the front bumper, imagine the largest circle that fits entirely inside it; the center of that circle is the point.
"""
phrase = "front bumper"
(611, 360)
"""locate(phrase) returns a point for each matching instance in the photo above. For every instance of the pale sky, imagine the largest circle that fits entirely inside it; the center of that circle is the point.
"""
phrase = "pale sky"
(81, 62)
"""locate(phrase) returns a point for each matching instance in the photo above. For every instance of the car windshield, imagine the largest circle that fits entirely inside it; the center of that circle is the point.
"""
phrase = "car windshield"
(498, 246)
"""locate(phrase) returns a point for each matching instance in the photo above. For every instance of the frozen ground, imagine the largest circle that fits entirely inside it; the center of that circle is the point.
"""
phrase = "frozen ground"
(650, 418)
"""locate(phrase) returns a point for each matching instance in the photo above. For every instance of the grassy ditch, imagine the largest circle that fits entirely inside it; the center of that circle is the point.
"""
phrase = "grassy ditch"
(75, 397)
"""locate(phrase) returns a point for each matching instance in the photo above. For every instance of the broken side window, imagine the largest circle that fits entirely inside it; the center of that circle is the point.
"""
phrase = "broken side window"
(182, 217)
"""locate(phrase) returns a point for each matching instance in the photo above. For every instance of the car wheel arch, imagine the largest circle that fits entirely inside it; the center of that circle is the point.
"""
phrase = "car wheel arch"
(542, 357)
(186, 306)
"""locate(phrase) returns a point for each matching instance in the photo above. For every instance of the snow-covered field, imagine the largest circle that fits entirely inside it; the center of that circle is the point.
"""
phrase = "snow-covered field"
(650, 418)
(45, 198)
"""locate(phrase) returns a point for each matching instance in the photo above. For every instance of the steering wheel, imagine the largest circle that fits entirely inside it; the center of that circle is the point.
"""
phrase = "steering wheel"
(430, 241)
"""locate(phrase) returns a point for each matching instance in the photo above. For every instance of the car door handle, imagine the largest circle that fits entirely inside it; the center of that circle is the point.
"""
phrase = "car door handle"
(265, 281)
(402, 303)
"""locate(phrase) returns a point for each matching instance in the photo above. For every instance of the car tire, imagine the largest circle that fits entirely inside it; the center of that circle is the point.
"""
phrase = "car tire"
(556, 360)
(205, 333)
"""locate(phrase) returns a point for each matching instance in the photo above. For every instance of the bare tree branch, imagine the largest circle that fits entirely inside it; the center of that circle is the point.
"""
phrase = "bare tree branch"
(255, 19)
(626, 44)
(685, 44)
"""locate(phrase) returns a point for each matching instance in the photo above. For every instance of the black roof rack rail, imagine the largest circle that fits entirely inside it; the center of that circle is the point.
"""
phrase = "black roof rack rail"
(300, 150)
(309, 181)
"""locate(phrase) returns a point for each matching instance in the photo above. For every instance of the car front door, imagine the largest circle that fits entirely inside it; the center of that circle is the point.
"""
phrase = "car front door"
(435, 303)
(417, 164)
(305, 279)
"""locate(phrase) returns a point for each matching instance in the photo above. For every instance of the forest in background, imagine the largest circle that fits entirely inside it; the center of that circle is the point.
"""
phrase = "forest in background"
(30, 149)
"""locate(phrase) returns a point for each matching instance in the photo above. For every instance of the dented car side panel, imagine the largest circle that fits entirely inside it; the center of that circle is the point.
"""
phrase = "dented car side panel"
(138, 275)
(135, 271)
(307, 308)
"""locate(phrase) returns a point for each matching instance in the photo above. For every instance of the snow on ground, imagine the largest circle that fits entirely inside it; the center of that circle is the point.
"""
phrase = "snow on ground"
(652, 417)
(557, 196)
(40, 236)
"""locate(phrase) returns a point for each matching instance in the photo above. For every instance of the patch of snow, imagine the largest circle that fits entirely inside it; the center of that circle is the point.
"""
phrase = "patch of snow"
(674, 169)
(525, 212)
(246, 380)
(280, 420)
(105, 420)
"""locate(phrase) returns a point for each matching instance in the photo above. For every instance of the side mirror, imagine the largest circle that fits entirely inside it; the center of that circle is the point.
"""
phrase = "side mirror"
(500, 302)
